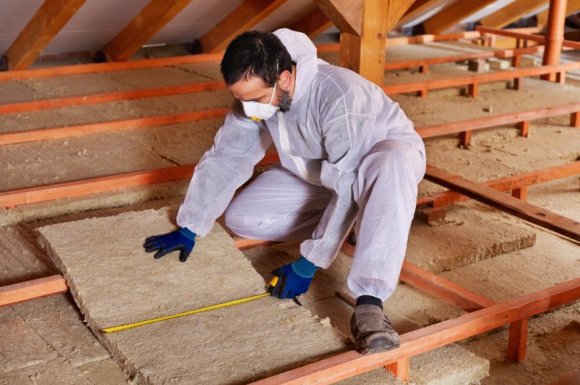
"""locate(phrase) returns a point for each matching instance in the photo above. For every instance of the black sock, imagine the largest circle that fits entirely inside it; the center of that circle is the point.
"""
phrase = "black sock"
(369, 300)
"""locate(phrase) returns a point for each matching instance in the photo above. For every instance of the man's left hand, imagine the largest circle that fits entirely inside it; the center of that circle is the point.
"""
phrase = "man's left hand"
(293, 279)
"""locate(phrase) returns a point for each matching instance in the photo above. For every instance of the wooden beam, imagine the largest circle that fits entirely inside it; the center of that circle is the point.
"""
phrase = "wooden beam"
(39, 32)
(453, 14)
(352, 363)
(36, 288)
(244, 17)
(510, 183)
(435, 285)
(477, 78)
(79, 69)
(110, 126)
(347, 15)
(89, 186)
(104, 97)
(512, 13)
(525, 36)
(365, 54)
(313, 24)
(418, 8)
(572, 7)
(511, 205)
(143, 27)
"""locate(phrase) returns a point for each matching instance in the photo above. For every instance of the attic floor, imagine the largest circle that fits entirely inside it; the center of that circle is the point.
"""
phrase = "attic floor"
(477, 247)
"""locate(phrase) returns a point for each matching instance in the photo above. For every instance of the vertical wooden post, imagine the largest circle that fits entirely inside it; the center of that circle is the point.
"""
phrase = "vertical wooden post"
(518, 341)
(372, 42)
(465, 138)
(520, 193)
(555, 35)
(473, 90)
(400, 369)
(575, 119)
(524, 128)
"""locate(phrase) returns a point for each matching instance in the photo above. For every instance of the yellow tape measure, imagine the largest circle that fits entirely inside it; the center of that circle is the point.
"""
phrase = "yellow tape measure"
(115, 329)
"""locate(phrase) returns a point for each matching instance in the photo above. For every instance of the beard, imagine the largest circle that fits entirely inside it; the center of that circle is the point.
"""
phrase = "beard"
(285, 101)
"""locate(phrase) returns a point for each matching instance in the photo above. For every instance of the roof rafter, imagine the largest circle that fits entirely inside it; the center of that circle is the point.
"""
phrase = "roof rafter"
(313, 24)
(39, 32)
(453, 14)
(571, 7)
(244, 17)
(143, 27)
(347, 15)
(512, 13)
(418, 8)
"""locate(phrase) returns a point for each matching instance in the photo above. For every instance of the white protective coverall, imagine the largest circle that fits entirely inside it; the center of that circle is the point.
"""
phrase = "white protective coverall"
(346, 151)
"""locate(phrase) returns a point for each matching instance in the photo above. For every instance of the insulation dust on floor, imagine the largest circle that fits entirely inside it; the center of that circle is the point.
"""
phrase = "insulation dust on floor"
(228, 346)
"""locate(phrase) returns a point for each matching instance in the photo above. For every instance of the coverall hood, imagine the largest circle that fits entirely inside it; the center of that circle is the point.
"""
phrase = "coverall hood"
(303, 53)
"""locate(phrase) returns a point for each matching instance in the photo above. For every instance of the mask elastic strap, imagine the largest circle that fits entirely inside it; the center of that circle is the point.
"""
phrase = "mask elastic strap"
(273, 92)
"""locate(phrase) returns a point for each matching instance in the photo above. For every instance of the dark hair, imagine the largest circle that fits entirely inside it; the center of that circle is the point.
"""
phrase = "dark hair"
(255, 53)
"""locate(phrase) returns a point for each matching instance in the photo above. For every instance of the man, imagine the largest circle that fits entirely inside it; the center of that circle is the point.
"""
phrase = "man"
(348, 155)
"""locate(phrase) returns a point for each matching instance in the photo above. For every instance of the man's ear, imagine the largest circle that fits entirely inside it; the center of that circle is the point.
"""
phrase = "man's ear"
(285, 80)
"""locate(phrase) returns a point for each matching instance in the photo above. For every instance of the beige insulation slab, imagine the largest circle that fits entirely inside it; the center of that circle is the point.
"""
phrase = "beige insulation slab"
(113, 281)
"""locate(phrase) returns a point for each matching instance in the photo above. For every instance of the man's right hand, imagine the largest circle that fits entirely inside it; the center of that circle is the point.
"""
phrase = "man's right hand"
(182, 239)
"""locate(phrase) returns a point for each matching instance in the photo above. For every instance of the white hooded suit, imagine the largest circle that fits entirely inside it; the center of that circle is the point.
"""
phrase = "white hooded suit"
(347, 152)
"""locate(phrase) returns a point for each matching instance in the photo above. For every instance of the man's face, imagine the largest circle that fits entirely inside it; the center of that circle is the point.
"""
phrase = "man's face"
(256, 90)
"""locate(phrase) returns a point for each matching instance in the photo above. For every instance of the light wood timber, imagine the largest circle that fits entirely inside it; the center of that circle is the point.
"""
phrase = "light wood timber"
(554, 35)
(241, 19)
(346, 15)
(418, 8)
(525, 36)
(313, 24)
(512, 13)
(537, 215)
(453, 14)
(151, 19)
(350, 364)
(39, 32)
(36, 288)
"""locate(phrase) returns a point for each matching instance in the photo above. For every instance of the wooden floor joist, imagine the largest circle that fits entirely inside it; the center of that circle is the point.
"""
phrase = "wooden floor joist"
(104, 97)
(436, 286)
(537, 215)
(409, 87)
(350, 364)
(506, 184)
(524, 36)
(36, 288)
(435, 84)
(110, 126)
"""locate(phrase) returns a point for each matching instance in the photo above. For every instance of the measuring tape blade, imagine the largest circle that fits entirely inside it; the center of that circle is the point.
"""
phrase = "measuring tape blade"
(115, 329)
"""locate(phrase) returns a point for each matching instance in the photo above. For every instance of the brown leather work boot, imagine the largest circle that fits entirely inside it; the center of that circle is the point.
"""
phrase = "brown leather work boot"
(372, 330)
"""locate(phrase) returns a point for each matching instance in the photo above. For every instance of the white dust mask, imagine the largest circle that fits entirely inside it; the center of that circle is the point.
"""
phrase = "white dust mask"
(260, 111)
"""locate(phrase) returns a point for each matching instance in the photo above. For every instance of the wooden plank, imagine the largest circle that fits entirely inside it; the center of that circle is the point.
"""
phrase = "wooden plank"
(466, 80)
(506, 53)
(512, 13)
(376, 16)
(506, 184)
(36, 288)
(419, 8)
(313, 24)
(89, 186)
(453, 14)
(115, 125)
(497, 120)
(494, 198)
(151, 19)
(104, 97)
(518, 341)
(569, 379)
(346, 15)
(39, 32)
(436, 286)
(108, 67)
(350, 364)
(525, 36)
(244, 17)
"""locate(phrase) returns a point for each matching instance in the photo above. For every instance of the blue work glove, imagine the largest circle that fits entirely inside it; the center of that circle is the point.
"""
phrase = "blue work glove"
(293, 279)
(182, 239)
